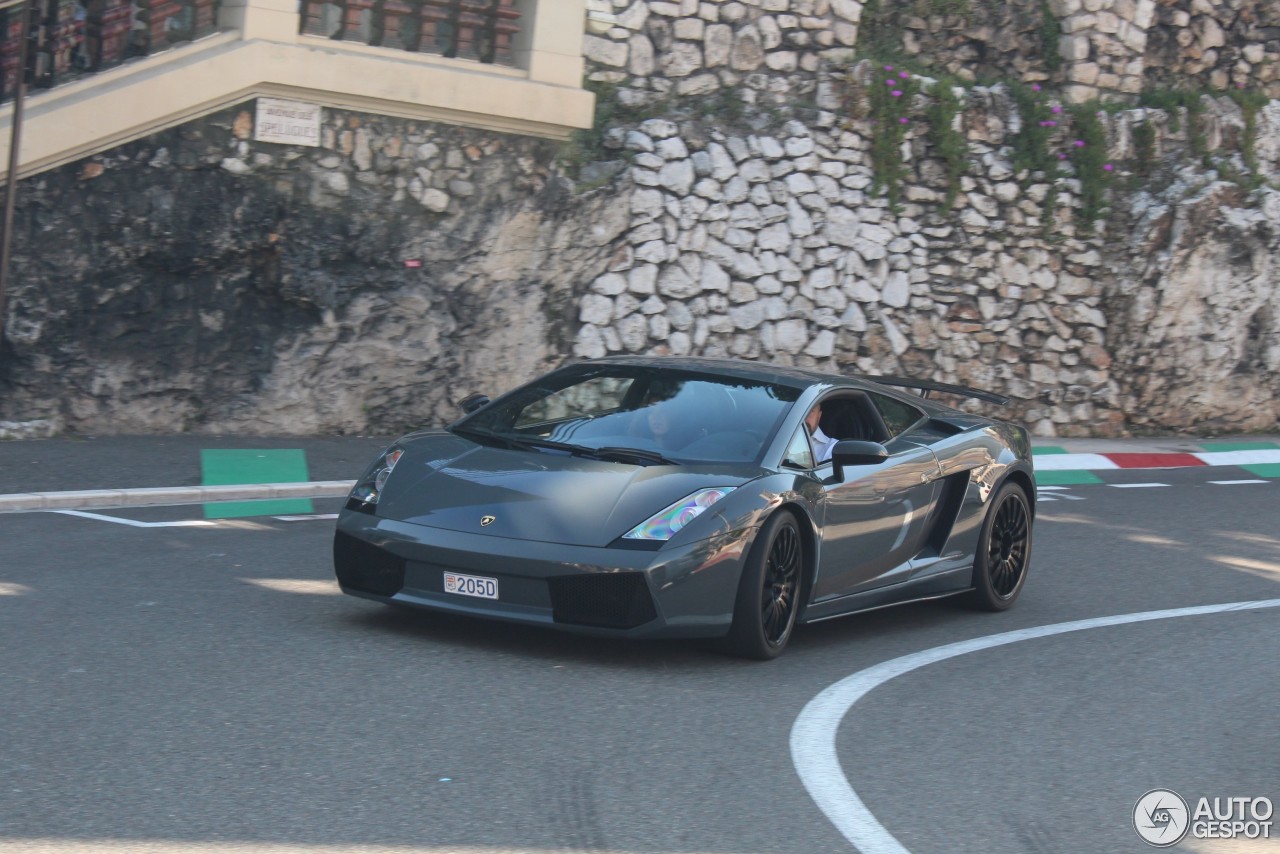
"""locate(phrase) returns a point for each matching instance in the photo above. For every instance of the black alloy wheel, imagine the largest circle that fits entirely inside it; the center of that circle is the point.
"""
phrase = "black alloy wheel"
(781, 585)
(769, 593)
(1004, 551)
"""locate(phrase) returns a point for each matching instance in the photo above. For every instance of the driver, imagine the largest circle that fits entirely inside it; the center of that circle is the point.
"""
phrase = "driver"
(821, 442)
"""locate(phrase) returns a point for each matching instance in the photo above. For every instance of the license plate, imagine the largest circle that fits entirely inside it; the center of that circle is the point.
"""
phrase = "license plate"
(471, 585)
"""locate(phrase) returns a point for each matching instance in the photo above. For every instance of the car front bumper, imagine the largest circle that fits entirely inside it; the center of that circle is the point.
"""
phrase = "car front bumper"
(683, 591)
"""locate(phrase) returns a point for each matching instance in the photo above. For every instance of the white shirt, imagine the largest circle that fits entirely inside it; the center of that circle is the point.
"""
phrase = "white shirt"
(822, 445)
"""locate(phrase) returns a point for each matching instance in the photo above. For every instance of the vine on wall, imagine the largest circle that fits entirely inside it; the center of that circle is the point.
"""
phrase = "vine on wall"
(946, 140)
(1088, 153)
(890, 94)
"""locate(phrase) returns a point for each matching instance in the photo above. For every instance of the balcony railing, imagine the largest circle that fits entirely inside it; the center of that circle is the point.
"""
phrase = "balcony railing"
(480, 30)
(69, 39)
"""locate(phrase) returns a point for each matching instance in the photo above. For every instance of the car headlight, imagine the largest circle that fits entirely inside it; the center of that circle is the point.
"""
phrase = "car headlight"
(664, 525)
(369, 488)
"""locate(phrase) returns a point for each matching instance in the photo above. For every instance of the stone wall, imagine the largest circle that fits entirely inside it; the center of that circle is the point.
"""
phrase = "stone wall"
(758, 232)
(1092, 48)
(970, 40)
(731, 204)
(1216, 43)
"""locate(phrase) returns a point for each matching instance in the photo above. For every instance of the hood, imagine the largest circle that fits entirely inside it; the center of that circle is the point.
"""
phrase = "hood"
(446, 481)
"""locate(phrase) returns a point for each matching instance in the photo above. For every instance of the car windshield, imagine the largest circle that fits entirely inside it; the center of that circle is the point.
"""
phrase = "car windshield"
(636, 414)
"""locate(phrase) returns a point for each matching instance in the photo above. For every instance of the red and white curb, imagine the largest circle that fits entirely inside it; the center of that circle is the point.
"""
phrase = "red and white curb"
(1105, 462)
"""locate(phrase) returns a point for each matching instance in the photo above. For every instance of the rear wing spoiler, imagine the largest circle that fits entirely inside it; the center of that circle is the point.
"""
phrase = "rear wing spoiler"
(926, 386)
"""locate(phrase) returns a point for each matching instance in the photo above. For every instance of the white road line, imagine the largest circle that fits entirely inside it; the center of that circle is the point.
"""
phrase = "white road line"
(308, 586)
(133, 523)
(1056, 493)
(1136, 485)
(1236, 482)
(307, 518)
(183, 523)
(813, 736)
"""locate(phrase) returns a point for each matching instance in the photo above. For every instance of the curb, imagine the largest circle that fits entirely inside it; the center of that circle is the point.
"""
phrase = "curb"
(1103, 462)
(159, 496)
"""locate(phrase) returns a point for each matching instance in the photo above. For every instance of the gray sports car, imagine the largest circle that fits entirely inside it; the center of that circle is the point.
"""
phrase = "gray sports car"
(647, 496)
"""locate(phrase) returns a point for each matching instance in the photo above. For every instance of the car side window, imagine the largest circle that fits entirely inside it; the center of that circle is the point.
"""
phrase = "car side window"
(799, 454)
(898, 416)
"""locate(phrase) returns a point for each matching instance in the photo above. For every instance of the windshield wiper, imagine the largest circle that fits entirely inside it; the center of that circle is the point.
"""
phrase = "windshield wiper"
(627, 454)
(485, 437)
(551, 444)
(526, 443)
(520, 443)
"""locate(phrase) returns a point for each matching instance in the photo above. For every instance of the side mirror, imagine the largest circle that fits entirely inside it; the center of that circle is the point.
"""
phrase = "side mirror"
(472, 402)
(854, 452)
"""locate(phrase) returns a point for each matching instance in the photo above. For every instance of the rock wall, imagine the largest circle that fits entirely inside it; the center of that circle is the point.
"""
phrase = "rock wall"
(1193, 320)
(732, 204)
(200, 281)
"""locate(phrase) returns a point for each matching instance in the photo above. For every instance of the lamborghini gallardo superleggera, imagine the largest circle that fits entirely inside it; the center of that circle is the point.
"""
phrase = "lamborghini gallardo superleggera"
(688, 497)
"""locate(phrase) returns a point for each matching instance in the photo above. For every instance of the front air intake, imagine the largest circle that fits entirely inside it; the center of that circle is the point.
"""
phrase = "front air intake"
(607, 600)
(365, 567)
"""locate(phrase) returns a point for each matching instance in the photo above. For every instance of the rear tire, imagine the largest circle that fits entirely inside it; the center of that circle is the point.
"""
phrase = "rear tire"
(768, 600)
(1004, 550)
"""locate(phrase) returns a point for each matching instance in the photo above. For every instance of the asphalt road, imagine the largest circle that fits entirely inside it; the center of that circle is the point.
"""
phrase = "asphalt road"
(174, 688)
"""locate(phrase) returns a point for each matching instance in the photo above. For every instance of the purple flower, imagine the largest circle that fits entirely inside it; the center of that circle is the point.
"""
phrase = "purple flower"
(891, 82)
(1056, 108)
(904, 75)
(904, 121)
(1035, 87)
(897, 93)
(1062, 156)
(1108, 167)
(1079, 143)
(888, 68)
(1048, 124)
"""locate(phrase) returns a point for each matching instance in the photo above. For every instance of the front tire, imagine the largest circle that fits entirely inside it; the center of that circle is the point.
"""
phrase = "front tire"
(1004, 550)
(768, 600)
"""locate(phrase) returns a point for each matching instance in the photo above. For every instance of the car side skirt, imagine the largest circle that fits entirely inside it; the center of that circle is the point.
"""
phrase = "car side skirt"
(935, 586)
